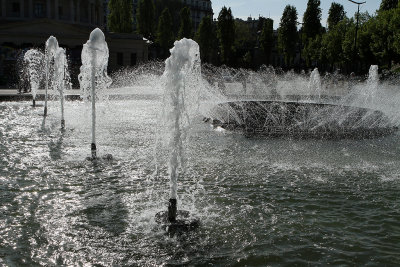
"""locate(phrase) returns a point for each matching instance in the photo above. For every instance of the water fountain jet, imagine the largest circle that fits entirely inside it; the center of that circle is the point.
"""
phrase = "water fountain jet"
(182, 74)
(33, 59)
(50, 51)
(93, 78)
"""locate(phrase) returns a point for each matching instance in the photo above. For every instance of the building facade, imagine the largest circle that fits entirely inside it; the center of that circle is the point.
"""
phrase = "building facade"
(29, 23)
(198, 10)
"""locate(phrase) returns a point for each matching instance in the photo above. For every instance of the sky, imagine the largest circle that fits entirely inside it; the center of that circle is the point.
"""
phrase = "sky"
(274, 8)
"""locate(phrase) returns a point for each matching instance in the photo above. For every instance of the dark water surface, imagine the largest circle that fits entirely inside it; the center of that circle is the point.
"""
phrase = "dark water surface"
(261, 202)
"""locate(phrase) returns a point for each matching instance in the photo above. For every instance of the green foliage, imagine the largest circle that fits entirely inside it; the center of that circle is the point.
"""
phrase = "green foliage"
(186, 30)
(226, 34)
(332, 50)
(120, 18)
(312, 20)
(312, 50)
(287, 34)
(336, 14)
(388, 4)
(174, 7)
(145, 18)
(206, 38)
(165, 34)
(267, 38)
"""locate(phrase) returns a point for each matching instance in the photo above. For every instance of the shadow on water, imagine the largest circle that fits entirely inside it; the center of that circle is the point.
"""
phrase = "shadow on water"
(104, 207)
(55, 148)
(20, 254)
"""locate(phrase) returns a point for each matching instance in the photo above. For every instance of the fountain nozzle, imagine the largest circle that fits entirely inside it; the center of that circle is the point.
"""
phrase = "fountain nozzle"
(172, 210)
(34, 103)
(93, 148)
(45, 110)
(62, 124)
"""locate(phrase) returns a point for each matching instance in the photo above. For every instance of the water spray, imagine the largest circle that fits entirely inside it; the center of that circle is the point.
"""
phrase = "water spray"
(50, 50)
(93, 78)
(182, 74)
(33, 59)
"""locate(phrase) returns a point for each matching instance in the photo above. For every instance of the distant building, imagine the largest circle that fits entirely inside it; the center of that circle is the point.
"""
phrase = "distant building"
(28, 23)
(199, 9)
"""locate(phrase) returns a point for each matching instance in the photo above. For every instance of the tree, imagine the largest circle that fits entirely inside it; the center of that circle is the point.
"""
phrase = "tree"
(267, 38)
(312, 20)
(336, 14)
(145, 18)
(287, 34)
(226, 34)
(120, 18)
(185, 30)
(205, 37)
(388, 4)
(165, 34)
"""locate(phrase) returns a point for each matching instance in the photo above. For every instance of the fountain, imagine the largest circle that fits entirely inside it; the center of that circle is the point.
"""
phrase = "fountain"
(61, 78)
(181, 102)
(50, 51)
(33, 59)
(314, 85)
(93, 78)
(304, 118)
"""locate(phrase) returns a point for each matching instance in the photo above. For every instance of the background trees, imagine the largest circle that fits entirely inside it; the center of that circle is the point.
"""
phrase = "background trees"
(287, 34)
(120, 18)
(250, 43)
(165, 35)
(336, 14)
(226, 34)
(206, 38)
(267, 39)
(145, 18)
(185, 30)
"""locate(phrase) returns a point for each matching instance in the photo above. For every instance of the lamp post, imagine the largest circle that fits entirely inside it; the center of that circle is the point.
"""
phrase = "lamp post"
(355, 38)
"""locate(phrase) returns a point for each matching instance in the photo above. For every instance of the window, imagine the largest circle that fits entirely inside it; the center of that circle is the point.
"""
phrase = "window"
(39, 10)
(133, 59)
(120, 59)
(15, 7)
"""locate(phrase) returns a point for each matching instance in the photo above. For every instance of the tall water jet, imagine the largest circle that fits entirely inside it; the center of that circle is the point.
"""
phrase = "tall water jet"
(33, 59)
(50, 51)
(182, 78)
(314, 85)
(61, 78)
(93, 78)
(371, 89)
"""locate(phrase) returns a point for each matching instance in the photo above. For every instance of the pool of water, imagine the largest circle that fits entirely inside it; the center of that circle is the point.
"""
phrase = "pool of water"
(260, 201)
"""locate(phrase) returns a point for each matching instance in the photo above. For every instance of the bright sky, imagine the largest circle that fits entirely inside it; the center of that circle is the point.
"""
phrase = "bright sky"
(274, 8)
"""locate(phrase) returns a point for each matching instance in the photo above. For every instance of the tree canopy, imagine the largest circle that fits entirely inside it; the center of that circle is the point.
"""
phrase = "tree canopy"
(206, 38)
(145, 18)
(336, 14)
(120, 18)
(287, 34)
(312, 20)
(267, 38)
(388, 4)
(226, 34)
(185, 30)
(165, 35)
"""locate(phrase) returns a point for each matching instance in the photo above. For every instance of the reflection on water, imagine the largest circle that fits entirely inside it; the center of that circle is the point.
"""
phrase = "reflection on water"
(261, 201)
